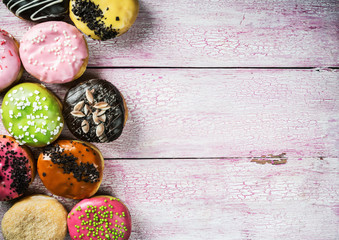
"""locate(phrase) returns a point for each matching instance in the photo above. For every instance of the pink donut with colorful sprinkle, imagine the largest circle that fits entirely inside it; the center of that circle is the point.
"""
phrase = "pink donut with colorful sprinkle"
(17, 168)
(99, 218)
(54, 52)
(10, 65)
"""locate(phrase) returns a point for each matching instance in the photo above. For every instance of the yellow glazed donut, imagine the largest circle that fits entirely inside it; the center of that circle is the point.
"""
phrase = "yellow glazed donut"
(103, 19)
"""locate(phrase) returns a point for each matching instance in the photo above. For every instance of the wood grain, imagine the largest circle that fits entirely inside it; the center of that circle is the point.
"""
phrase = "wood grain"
(199, 113)
(219, 33)
(223, 198)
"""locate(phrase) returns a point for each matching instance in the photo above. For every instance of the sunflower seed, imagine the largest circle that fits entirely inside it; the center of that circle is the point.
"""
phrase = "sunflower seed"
(102, 118)
(87, 109)
(92, 90)
(100, 129)
(78, 106)
(101, 113)
(95, 117)
(77, 114)
(89, 96)
(101, 105)
(85, 126)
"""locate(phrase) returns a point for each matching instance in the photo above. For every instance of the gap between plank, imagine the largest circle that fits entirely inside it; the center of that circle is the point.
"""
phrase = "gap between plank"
(144, 67)
(210, 158)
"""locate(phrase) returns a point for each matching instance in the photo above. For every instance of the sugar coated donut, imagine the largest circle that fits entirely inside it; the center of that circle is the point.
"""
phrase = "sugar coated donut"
(32, 114)
(95, 111)
(17, 168)
(71, 169)
(38, 11)
(101, 217)
(10, 64)
(54, 52)
(103, 19)
(35, 217)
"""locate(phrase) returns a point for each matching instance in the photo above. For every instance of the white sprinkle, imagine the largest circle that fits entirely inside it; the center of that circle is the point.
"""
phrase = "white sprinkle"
(6, 103)
(35, 140)
(26, 133)
(44, 98)
(15, 91)
(10, 124)
(58, 119)
(21, 89)
(36, 92)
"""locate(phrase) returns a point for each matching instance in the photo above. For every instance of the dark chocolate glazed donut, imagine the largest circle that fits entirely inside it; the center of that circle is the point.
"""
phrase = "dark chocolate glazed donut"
(95, 111)
(38, 10)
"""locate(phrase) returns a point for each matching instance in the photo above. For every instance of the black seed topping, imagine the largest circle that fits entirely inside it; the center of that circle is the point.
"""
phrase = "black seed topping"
(117, 18)
(90, 14)
(44, 174)
(85, 172)
(19, 173)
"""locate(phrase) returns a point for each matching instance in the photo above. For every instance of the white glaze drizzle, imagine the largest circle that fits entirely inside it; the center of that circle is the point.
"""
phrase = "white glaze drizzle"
(32, 4)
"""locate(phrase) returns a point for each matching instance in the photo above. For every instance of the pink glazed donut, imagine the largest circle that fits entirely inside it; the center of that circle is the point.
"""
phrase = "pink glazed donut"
(101, 217)
(54, 52)
(10, 65)
(17, 168)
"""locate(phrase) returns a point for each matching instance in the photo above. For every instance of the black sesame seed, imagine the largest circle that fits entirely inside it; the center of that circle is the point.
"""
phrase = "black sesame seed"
(92, 15)
(85, 172)
(44, 174)
(117, 18)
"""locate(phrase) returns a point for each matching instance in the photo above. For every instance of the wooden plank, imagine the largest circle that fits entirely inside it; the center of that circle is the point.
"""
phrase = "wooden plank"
(219, 33)
(223, 198)
(176, 113)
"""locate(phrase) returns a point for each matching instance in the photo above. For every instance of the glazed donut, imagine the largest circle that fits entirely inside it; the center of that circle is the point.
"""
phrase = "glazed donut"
(54, 52)
(71, 169)
(35, 217)
(32, 114)
(10, 64)
(38, 11)
(95, 111)
(17, 168)
(101, 217)
(102, 19)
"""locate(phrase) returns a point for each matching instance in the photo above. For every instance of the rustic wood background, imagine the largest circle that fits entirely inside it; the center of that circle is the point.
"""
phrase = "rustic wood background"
(233, 130)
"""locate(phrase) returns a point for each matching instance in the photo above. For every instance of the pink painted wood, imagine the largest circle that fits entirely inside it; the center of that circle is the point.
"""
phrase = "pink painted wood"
(223, 113)
(224, 198)
(219, 33)
(204, 114)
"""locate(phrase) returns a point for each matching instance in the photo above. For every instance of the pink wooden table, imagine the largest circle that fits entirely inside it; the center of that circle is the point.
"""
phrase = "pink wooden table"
(215, 89)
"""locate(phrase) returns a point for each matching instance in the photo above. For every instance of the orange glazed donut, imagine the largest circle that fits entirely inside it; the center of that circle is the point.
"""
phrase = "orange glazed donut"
(71, 169)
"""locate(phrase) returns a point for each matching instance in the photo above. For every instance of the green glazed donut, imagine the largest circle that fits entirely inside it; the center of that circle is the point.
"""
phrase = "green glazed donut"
(32, 114)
